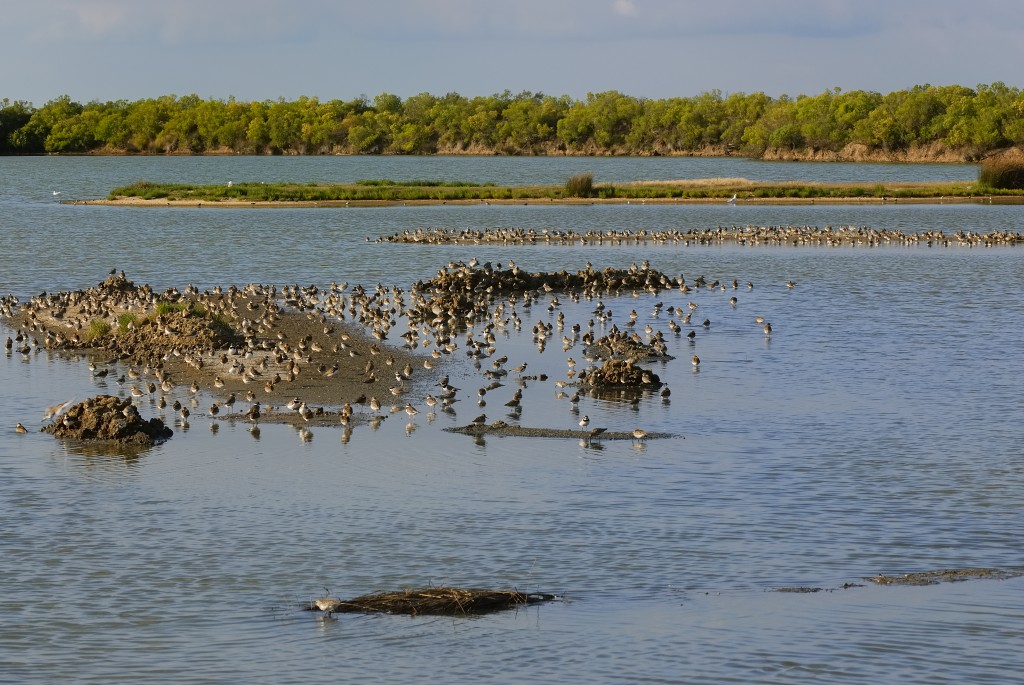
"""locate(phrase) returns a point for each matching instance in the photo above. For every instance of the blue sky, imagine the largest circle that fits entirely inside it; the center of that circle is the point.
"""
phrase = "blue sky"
(341, 49)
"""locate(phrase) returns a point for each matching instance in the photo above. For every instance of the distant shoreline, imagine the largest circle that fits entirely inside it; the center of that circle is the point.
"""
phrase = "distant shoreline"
(241, 204)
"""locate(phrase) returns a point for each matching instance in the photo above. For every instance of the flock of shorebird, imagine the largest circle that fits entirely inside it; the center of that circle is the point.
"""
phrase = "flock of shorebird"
(826, 236)
(466, 306)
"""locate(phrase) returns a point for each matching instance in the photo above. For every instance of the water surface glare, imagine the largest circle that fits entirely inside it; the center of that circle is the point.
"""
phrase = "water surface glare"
(876, 431)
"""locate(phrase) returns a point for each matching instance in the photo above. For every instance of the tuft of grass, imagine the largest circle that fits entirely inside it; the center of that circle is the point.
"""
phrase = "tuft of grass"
(165, 308)
(126, 321)
(580, 185)
(1002, 174)
(98, 328)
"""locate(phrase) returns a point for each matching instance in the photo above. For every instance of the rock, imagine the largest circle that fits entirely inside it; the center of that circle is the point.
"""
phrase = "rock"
(111, 419)
(622, 373)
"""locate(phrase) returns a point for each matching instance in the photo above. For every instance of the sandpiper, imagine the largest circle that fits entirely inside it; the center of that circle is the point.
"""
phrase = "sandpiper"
(326, 604)
(55, 409)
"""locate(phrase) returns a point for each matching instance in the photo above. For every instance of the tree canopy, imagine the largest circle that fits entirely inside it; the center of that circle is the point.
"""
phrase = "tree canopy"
(957, 118)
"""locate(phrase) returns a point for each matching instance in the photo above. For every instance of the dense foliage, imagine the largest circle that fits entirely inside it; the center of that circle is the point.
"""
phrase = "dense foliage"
(957, 118)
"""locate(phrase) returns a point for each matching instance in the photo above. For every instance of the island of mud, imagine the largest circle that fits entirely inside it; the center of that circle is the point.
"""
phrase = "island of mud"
(308, 355)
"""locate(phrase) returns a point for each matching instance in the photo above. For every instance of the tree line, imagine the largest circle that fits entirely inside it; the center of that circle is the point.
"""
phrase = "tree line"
(967, 121)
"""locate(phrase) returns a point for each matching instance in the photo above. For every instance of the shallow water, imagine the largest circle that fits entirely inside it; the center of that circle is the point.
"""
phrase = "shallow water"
(876, 431)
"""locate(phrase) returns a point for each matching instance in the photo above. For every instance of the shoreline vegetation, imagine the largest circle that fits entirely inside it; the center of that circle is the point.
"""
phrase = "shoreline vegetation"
(578, 189)
(925, 123)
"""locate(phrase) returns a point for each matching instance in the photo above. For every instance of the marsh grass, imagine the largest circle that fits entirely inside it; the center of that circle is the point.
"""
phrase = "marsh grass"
(1002, 174)
(579, 187)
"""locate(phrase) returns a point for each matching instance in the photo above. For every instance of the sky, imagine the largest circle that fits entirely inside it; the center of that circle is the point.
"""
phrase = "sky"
(103, 50)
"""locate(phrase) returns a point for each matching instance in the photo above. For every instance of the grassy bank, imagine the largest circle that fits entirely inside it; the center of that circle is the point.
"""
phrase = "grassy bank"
(384, 190)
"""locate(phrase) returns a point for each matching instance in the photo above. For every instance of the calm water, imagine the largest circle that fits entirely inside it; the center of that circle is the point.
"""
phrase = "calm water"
(878, 430)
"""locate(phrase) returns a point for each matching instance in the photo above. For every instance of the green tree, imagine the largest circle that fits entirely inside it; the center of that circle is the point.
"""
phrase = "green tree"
(13, 117)
(146, 119)
(33, 135)
(74, 134)
(112, 127)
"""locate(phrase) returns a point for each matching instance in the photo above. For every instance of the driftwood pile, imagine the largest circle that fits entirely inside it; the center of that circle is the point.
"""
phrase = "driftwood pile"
(441, 601)
(949, 575)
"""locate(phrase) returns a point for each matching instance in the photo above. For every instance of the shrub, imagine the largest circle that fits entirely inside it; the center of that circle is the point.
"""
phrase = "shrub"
(1002, 174)
(580, 185)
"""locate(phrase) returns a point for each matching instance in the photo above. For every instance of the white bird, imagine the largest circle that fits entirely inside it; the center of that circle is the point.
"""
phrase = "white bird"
(731, 200)
(56, 193)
